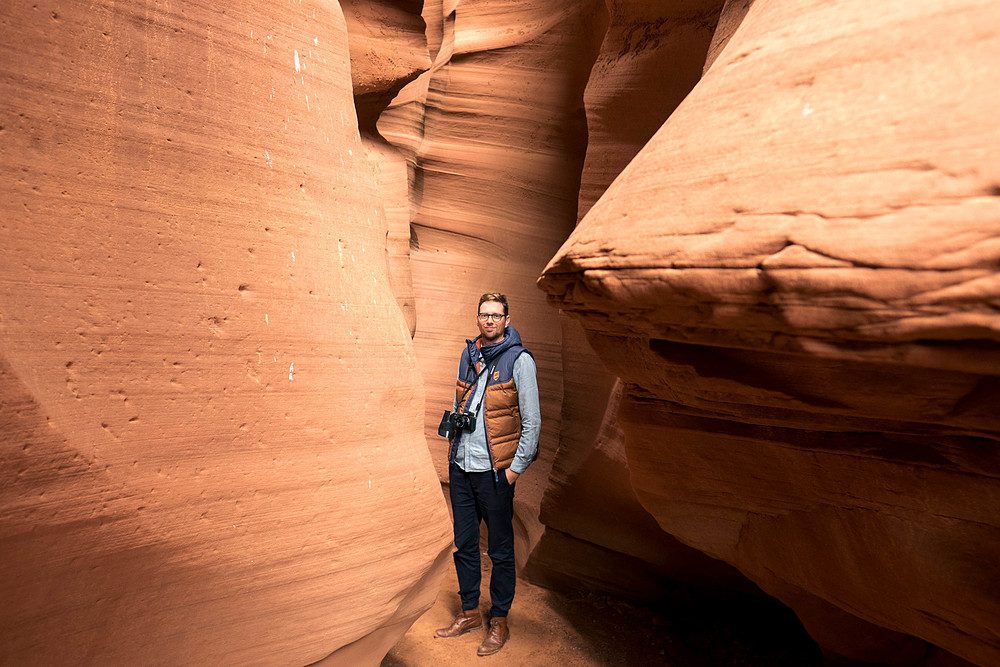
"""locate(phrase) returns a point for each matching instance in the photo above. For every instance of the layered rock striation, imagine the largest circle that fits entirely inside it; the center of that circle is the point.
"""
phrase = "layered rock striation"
(211, 407)
(796, 280)
(388, 47)
(597, 535)
(242, 246)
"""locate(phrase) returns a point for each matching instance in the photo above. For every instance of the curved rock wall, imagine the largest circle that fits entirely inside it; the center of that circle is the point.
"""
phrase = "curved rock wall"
(211, 405)
(797, 281)
(597, 536)
(388, 48)
(209, 283)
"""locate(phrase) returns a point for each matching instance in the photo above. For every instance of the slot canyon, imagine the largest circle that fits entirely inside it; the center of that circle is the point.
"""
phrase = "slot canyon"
(753, 246)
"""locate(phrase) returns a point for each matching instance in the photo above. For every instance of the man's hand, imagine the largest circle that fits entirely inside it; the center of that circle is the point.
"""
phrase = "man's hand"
(511, 476)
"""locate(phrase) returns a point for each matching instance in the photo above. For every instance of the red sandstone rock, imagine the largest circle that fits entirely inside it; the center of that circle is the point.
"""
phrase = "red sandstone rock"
(211, 404)
(598, 536)
(796, 278)
(652, 55)
(390, 172)
(187, 196)
(732, 15)
(388, 49)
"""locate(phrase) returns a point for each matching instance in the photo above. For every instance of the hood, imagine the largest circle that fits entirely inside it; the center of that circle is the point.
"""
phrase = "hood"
(511, 338)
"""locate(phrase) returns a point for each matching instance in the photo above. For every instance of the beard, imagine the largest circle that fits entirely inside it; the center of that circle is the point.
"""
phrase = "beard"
(496, 337)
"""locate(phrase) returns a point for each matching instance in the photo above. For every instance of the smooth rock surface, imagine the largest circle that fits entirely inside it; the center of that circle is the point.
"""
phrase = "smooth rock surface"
(797, 281)
(388, 49)
(211, 405)
(597, 536)
(229, 321)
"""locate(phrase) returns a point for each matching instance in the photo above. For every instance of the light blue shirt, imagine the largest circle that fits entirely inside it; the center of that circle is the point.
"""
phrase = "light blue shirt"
(472, 454)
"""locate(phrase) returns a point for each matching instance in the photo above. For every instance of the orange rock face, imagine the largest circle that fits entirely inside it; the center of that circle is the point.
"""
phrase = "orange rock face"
(242, 246)
(388, 47)
(597, 535)
(797, 281)
(211, 408)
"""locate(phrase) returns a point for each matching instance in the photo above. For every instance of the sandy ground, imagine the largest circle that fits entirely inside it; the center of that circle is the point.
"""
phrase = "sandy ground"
(550, 628)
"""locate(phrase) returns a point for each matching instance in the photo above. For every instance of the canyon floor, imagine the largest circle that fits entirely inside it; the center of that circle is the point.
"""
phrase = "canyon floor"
(551, 628)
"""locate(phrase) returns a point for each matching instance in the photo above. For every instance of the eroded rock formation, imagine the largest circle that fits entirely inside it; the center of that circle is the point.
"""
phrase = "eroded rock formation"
(778, 346)
(796, 280)
(211, 408)
(597, 535)
(388, 46)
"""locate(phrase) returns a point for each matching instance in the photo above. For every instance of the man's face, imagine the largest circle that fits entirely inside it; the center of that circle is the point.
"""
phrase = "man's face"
(491, 321)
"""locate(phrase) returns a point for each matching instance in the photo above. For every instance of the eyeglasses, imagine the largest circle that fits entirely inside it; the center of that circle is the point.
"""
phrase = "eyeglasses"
(496, 317)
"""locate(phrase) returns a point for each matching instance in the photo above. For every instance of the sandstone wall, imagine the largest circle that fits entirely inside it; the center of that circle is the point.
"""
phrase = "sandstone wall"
(211, 405)
(225, 313)
(597, 536)
(388, 46)
(796, 280)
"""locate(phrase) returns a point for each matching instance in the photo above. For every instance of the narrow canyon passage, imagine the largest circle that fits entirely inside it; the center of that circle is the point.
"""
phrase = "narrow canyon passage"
(551, 627)
(751, 245)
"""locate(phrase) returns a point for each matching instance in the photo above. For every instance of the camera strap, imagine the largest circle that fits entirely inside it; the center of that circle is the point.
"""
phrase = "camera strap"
(486, 372)
(482, 397)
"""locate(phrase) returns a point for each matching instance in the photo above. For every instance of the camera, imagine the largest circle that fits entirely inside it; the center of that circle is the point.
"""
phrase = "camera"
(463, 421)
(456, 421)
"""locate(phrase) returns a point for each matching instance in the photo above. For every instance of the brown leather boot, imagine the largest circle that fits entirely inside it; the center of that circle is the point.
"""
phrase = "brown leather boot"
(497, 637)
(467, 619)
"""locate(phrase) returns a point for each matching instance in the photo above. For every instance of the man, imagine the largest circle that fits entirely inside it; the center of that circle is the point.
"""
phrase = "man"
(497, 386)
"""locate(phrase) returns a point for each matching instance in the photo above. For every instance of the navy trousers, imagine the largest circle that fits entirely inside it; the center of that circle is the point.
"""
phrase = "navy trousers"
(476, 497)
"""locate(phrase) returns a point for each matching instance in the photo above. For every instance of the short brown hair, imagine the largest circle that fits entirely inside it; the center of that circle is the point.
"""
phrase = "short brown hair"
(494, 296)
